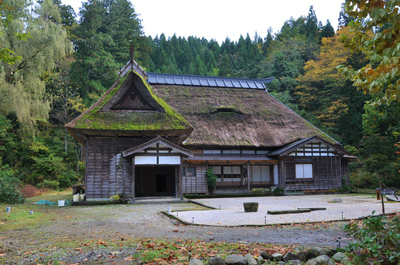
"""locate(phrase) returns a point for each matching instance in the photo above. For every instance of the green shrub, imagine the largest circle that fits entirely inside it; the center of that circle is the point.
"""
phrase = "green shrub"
(9, 190)
(211, 179)
(67, 179)
(278, 192)
(377, 240)
(363, 179)
(345, 188)
(50, 184)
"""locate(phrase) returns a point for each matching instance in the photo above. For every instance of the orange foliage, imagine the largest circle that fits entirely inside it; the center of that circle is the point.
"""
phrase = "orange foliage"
(319, 88)
(30, 191)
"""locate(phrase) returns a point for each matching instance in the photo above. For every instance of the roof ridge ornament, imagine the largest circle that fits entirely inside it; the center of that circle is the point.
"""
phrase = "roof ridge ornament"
(132, 65)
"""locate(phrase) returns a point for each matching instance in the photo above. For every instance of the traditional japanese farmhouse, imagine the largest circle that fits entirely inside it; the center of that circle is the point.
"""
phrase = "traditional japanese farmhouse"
(156, 134)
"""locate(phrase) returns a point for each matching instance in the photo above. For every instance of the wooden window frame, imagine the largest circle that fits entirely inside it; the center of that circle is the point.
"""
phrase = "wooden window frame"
(185, 172)
(312, 171)
(221, 177)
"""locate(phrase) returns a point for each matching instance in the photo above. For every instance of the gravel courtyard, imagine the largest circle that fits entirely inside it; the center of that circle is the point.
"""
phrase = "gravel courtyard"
(230, 211)
(77, 229)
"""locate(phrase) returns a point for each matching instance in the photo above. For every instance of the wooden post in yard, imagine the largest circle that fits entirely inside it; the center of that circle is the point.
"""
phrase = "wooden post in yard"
(383, 204)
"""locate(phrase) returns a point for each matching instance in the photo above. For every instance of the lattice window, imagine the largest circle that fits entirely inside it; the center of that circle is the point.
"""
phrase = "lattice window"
(290, 171)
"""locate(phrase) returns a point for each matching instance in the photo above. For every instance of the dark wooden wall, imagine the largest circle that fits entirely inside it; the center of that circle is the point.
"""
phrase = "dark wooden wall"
(197, 184)
(107, 172)
(328, 172)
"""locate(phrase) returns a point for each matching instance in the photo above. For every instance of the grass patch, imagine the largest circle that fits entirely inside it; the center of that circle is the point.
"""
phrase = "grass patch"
(52, 196)
(363, 191)
(19, 217)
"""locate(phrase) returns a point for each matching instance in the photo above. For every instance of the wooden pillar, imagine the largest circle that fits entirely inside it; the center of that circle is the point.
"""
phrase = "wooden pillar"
(86, 166)
(248, 176)
(133, 179)
(271, 175)
(180, 179)
(341, 176)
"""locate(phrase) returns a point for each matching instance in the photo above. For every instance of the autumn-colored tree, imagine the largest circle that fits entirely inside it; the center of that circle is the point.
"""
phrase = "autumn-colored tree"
(319, 88)
(382, 48)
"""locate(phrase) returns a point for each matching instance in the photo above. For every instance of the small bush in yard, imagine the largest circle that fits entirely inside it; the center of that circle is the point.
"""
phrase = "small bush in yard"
(9, 190)
(211, 179)
(377, 240)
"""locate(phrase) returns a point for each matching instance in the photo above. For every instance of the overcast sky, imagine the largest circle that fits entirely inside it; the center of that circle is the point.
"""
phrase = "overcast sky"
(218, 19)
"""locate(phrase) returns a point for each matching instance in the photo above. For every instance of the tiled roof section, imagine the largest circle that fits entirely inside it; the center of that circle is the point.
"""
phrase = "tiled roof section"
(207, 81)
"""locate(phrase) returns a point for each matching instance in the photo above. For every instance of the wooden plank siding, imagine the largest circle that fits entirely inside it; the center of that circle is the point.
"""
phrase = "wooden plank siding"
(107, 172)
(328, 172)
(197, 184)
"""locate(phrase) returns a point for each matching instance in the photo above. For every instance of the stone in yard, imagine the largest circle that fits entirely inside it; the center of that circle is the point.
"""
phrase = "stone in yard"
(393, 198)
(330, 252)
(290, 256)
(302, 255)
(216, 261)
(336, 200)
(277, 257)
(266, 255)
(235, 260)
(260, 259)
(320, 260)
(250, 206)
(196, 262)
(342, 258)
(315, 252)
(250, 259)
(294, 262)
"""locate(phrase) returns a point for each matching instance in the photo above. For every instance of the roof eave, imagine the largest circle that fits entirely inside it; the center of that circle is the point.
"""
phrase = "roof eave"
(156, 140)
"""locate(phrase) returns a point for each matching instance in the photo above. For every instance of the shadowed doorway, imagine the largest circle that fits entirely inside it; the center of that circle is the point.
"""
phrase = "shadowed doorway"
(154, 181)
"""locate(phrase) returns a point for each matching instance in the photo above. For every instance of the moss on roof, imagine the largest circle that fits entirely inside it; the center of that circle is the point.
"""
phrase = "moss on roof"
(97, 119)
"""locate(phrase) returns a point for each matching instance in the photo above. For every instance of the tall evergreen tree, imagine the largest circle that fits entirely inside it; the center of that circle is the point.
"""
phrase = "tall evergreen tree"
(106, 30)
(312, 25)
(327, 31)
(122, 24)
(267, 43)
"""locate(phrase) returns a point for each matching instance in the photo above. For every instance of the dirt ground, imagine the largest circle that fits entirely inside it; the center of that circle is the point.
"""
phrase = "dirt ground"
(64, 236)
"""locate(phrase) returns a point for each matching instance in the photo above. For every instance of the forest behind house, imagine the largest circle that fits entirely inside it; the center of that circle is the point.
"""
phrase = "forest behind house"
(54, 64)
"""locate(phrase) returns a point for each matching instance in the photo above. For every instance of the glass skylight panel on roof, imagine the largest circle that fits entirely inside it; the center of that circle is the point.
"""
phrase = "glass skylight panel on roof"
(220, 83)
(178, 81)
(228, 83)
(187, 81)
(206, 81)
(212, 82)
(203, 81)
(195, 81)
(236, 83)
(244, 84)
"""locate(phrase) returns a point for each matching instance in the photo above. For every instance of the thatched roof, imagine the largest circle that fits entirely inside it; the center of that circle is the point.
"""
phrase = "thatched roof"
(129, 108)
(236, 117)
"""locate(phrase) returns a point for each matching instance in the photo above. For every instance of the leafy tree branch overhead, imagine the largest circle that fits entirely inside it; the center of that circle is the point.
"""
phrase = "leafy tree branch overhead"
(7, 55)
(376, 28)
